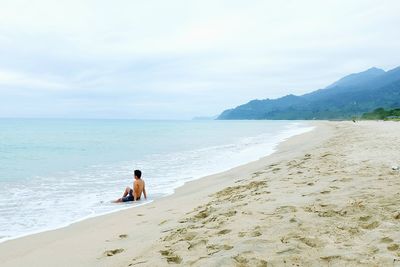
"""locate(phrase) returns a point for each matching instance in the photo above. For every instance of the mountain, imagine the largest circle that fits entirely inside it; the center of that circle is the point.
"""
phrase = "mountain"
(356, 78)
(350, 96)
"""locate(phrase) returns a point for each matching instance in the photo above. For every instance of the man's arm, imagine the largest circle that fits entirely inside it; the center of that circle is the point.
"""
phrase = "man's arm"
(144, 190)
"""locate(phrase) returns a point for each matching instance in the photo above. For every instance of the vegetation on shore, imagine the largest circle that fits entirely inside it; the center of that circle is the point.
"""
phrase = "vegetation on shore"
(382, 114)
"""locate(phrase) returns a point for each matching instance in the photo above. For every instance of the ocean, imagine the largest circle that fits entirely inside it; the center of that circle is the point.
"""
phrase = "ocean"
(54, 172)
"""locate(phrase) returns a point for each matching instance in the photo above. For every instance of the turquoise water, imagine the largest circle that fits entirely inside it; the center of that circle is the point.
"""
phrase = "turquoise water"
(54, 171)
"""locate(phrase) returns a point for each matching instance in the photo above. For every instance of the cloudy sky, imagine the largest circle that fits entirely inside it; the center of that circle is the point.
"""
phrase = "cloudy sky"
(178, 59)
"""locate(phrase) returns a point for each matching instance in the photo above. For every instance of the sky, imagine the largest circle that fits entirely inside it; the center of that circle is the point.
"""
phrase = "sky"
(180, 59)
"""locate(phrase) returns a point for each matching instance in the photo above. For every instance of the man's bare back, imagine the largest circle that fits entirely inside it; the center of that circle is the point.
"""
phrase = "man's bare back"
(135, 193)
(138, 189)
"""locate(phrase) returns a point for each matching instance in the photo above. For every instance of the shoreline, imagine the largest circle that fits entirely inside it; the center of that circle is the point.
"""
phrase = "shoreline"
(308, 126)
(328, 197)
(6, 239)
(11, 250)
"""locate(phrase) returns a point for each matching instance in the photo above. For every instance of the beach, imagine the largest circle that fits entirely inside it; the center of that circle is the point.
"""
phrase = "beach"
(328, 197)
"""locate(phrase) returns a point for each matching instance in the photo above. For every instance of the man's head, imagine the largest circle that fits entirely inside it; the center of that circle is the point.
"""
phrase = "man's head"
(138, 174)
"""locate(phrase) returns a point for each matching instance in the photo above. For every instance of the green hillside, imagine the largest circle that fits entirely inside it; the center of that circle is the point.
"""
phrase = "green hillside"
(351, 96)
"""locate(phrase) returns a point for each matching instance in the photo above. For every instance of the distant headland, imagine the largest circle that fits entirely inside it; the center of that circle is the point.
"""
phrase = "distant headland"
(349, 97)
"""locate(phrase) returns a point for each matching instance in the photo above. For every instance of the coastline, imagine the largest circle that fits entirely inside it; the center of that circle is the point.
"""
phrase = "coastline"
(25, 243)
(319, 200)
(262, 152)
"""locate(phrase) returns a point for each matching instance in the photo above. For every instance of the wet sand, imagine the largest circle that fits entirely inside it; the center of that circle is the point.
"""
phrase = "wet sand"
(325, 198)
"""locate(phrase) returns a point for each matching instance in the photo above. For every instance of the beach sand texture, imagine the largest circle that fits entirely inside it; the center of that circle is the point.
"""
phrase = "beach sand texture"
(325, 198)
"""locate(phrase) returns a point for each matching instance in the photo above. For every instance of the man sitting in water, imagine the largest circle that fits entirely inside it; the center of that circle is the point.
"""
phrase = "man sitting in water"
(135, 193)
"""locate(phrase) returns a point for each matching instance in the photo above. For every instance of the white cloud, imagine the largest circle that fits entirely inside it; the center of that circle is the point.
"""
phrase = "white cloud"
(16, 79)
(185, 52)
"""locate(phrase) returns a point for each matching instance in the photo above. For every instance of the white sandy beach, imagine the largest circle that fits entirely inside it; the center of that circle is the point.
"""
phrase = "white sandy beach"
(325, 198)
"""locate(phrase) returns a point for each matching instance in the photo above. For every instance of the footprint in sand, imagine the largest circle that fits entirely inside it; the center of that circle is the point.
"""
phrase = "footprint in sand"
(113, 252)
(311, 241)
(386, 240)
(197, 244)
(243, 260)
(203, 214)
(255, 233)
(224, 232)
(393, 247)
(189, 236)
(212, 249)
(180, 233)
(230, 213)
(329, 258)
(364, 218)
(170, 256)
(370, 226)
(242, 234)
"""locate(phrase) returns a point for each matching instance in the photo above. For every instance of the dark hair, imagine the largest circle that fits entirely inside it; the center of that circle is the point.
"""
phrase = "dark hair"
(138, 173)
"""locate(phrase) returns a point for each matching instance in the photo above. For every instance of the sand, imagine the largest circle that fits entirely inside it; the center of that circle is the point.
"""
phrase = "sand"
(325, 198)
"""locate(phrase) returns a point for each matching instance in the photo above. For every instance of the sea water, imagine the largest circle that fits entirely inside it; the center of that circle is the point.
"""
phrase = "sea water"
(57, 171)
